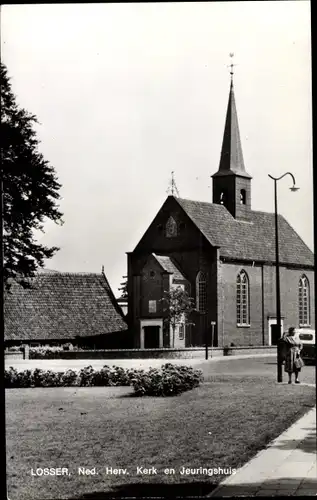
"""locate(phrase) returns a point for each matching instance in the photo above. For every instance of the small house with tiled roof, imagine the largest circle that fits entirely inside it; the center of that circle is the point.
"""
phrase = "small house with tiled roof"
(223, 253)
(61, 307)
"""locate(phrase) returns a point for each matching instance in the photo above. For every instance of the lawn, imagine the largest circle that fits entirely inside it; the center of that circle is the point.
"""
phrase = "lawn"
(223, 423)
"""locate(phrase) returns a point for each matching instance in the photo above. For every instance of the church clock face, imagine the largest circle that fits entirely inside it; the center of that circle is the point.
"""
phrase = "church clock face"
(171, 228)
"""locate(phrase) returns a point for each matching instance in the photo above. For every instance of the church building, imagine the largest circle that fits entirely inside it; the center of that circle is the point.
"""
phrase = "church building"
(223, 254)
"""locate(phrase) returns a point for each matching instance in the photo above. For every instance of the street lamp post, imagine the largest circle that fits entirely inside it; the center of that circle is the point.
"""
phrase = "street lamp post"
(206, 337)
(213, 323)
(277, 264)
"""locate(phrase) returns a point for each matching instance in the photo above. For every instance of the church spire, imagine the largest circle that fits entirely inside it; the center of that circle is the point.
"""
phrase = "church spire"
(231, 159)
(231, 185)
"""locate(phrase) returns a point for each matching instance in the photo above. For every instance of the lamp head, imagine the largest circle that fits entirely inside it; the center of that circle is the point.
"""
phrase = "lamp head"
(294, 188)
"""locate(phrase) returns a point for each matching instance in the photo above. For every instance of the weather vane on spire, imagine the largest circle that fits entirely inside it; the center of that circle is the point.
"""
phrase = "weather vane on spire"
(231, 65)
(172, 188)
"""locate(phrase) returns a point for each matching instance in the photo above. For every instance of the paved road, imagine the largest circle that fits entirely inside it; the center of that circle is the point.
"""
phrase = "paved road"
(77, 364)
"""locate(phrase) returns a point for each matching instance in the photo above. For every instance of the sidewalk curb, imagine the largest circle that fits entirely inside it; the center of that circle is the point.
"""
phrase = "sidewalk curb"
(259, 454)
(240, 356)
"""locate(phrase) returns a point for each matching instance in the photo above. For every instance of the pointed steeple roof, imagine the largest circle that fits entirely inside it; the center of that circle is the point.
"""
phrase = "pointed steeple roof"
(231, 160)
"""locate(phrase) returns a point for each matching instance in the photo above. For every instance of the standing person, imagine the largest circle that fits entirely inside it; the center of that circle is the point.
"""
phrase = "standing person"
(293, 360)
(283, 346)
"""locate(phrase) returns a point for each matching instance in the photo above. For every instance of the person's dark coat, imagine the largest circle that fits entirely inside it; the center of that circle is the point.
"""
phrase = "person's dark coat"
(292, 353)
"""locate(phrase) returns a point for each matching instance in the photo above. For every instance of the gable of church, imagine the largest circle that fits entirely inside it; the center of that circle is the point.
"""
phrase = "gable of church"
(172, 229)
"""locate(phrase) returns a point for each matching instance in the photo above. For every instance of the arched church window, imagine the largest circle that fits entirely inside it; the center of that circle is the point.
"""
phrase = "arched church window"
(243, 293)
(304, 301)
(171, 228)
(201, 291)
(243, 197)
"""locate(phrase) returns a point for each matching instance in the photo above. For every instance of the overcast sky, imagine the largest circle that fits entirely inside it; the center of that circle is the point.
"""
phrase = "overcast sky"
(126, 93)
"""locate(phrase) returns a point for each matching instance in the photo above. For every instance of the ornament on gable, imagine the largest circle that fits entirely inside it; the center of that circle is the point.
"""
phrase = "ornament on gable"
(171, 228)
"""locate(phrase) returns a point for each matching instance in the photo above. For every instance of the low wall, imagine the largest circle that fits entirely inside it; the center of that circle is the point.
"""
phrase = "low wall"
(253, 350)
(188, 353)
(14, 355)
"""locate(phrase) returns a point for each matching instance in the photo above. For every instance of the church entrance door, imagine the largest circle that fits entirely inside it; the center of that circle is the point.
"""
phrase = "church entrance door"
(151, 337)
(151, 333)
(274, 334)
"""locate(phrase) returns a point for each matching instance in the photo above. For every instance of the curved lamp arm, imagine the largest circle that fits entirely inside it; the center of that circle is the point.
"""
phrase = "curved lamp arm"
(294, 188)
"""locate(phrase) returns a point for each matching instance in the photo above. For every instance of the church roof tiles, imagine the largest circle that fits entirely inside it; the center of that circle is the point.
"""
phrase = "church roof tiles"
(168, 265)
(253, 240)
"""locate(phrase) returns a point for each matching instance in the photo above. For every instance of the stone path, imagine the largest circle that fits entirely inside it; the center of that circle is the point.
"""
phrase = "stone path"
(287, 467)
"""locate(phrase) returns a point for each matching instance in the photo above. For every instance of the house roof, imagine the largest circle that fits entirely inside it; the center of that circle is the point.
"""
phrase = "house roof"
(45, 270)
(62, 306)
(252, 240)
(169, 266)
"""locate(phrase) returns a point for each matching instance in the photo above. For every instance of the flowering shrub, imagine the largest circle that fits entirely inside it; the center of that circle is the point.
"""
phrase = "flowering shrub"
(13, 378)
(46, 378)
(70, 378)
(120, 376)
(86, 376)
(165, 381)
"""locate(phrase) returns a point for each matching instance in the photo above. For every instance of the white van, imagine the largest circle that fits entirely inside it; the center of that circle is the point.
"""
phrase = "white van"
(307, 338)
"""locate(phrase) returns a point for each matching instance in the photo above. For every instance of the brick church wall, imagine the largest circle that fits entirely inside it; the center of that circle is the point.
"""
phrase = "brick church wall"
(192, 262)
(228, 331)
(152, 288)
(289, 279)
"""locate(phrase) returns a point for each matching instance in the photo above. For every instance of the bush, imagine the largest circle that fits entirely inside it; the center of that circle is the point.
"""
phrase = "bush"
(70, 378)
(45, 352)
(68, 346)
(48, 378)
(86, 376)
(168, 380)
(120, 376)
(165, 381)
(53, 352)
(14, 379)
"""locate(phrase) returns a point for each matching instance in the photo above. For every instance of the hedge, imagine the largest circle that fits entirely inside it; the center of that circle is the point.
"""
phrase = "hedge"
(168, 380)
(46, 352)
